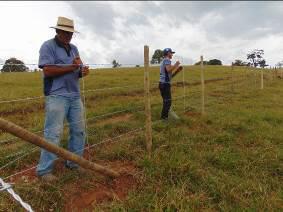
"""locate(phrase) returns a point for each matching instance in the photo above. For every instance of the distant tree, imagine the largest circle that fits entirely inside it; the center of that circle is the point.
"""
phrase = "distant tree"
(14, 65)
(240, 63)
(214, 62)
(262, 63)
(157, 57)
(279, 64)
(198, 63)
(137, 66)
(115, 64)
(256, 58)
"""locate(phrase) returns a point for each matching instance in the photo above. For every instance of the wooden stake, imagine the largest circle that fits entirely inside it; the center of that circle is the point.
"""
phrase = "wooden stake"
(148, 129)
(232, 77)
(41, 142)
(261, 78)
(202, 85)
(184, 89)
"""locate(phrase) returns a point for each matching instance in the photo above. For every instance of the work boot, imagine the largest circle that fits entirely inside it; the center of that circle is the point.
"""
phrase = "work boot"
(48, 178)
(174, 115)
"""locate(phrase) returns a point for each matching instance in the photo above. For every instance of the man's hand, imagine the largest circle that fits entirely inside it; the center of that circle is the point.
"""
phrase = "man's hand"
(177, 63)
(85, 71)
(77, 61)
(180, 68)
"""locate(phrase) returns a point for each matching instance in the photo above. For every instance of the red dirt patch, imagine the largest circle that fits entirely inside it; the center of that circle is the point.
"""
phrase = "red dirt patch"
(79, 200)
(193, 114)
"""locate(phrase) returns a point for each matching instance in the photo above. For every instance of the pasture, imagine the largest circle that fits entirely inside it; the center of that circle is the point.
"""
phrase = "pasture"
(230, 158)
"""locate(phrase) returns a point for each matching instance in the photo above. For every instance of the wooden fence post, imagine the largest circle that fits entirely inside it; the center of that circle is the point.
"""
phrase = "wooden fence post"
(184, 89)
(202, 85)
(232, 77)
(148, 129)
(41, 142)
(261, 78)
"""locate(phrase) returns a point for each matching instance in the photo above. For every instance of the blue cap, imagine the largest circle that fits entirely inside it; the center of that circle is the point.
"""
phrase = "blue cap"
(167, 50)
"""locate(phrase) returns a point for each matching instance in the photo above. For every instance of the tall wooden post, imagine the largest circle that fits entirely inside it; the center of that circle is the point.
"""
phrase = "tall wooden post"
(184, 89)
(232, 77)
(41, 142)
(148, 129)
(202, 85)
(261, 78)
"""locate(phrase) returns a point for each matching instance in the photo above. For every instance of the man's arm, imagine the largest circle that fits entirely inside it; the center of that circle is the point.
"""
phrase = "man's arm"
(54, 71)
(170, 68)
(84, 69)
(180, 68)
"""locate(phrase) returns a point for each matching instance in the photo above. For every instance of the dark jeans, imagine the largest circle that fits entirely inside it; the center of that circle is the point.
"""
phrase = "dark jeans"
(165, 91)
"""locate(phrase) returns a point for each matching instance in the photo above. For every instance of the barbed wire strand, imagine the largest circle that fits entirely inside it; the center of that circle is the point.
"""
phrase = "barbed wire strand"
(92, 118)
(16, 154)
(17, 159)
(90, 90)
(86, 91)
(12, 139)
(89, 147)
(8, 187)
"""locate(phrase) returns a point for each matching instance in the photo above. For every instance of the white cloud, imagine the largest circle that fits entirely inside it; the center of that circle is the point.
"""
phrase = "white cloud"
(119, 30)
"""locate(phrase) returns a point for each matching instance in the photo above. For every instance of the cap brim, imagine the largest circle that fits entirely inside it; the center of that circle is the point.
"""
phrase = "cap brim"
(65, 29)
(173, 52)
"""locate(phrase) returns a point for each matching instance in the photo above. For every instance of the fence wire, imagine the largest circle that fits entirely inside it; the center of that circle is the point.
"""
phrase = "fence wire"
(8, 187)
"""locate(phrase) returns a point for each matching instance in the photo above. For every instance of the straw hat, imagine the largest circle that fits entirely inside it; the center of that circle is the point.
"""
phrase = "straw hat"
(65, 24)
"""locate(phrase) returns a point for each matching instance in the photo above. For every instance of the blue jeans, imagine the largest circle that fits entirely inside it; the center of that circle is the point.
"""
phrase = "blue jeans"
(57, 108)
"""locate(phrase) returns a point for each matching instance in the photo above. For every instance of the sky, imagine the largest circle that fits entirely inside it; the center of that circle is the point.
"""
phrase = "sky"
(119, 30)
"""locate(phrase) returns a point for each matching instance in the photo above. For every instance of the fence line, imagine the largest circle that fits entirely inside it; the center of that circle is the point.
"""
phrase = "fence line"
(95, 90)
(109, 114)
(85, 91)
(26, 154)
(70, 64)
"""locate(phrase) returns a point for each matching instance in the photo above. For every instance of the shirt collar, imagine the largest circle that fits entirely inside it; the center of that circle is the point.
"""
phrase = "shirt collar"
(60, 44)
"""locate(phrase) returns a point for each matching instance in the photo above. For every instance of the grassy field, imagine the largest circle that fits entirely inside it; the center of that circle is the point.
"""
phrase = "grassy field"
(230, 158)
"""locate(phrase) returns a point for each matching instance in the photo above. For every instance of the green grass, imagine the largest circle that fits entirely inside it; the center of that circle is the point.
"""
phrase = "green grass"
(230, 159)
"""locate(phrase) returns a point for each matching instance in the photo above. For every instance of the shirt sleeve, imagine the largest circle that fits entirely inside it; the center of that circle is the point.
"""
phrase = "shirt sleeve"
(75, 51)
(45, 56)
(167, 62)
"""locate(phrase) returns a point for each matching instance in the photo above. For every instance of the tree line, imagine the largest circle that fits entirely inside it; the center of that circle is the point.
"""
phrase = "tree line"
(254, 59)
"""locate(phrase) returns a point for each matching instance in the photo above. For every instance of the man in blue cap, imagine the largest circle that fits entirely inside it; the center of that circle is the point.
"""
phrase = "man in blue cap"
(167, 71)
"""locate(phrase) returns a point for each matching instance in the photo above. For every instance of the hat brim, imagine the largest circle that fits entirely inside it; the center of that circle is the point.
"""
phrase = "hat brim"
(65, 29)
(168, 53)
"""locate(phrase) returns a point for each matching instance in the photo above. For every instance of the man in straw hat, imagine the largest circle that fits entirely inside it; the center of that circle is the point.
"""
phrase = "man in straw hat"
(62, 69)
